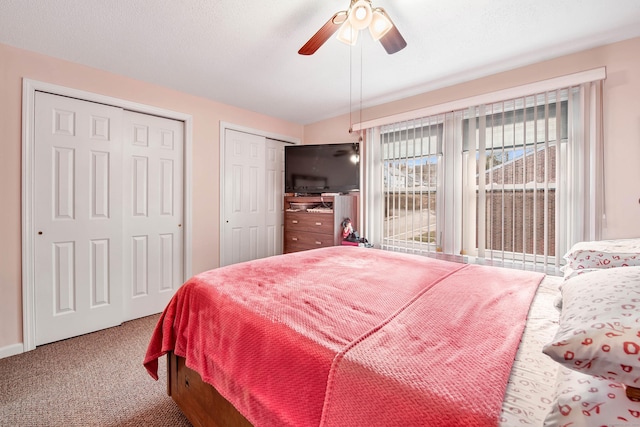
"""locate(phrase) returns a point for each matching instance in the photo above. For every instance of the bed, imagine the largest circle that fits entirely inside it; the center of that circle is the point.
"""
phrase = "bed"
(353, 336)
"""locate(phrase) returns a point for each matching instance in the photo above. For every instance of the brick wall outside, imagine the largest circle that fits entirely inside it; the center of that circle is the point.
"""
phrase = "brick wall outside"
(524, 169)
(512, 217)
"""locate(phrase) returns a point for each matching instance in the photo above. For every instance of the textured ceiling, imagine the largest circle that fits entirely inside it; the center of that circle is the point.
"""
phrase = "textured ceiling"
(244, 53)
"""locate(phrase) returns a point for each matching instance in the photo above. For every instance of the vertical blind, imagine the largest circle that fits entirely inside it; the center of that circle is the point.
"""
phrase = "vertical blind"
(519, 180)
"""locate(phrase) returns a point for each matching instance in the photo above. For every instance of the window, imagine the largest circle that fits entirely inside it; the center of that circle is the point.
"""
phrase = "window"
(410, 177)
(515, 145)
(515, 181)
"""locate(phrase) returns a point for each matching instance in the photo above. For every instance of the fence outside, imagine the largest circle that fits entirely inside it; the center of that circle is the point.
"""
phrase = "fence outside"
(515, 219)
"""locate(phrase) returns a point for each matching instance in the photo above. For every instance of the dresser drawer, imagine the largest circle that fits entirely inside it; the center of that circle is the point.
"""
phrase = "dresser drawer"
(309, 222)
(297, 240)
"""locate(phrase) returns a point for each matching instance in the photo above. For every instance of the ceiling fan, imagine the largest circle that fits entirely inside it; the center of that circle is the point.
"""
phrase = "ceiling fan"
(360, 15)
(353, 151)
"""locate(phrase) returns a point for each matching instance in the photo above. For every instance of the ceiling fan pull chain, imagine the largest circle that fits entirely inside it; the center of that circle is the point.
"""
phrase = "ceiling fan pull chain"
(361, 67)
(350, 88)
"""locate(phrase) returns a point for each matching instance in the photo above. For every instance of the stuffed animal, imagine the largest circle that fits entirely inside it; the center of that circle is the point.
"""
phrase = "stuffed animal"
(347, 228)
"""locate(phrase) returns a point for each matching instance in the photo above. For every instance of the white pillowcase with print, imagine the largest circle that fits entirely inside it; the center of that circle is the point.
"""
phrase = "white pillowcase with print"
(599, 327)
(585, 401)
(584, 257)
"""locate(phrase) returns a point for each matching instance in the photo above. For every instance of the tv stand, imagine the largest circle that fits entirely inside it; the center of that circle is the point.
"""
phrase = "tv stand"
(316, 221)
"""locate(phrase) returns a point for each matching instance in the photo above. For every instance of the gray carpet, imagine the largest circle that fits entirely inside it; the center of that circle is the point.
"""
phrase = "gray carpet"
(93, 380)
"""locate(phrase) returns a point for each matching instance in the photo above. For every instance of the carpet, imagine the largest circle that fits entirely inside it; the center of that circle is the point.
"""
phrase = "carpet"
(92, 380)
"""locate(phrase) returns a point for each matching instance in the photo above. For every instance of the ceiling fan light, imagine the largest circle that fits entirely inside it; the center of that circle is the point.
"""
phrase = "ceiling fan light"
(380, 24)
(360, 14)
(347, 34)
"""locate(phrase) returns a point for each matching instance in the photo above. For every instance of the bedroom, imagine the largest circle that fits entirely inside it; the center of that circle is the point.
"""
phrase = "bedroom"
(622, 133)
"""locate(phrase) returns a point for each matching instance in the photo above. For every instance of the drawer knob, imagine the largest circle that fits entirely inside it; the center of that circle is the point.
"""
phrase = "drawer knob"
(318, 243)
(318, 223)
(295, 239)
(295, 221)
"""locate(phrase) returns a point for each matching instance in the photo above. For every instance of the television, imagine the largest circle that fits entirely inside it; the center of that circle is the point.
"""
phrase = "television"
(322, 168)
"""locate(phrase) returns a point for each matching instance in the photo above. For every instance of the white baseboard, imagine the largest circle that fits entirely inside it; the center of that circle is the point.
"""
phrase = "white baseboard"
(11, 350)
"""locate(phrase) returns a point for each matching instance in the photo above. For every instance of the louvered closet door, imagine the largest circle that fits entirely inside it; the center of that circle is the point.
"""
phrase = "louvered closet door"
(153, 212)
(77, 218)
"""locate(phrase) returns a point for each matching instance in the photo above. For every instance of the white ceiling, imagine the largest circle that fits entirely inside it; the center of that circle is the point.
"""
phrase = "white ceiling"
(244, 52)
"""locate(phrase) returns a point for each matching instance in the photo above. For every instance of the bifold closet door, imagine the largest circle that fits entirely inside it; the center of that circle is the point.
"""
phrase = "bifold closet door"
(108, 216)
(274, 196)
(252, 194)
(77, 217)
(153, 212)
(244, 195)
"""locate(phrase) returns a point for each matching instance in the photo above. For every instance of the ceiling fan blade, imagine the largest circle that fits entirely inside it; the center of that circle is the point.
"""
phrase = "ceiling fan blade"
(323, 34)
(393, 40)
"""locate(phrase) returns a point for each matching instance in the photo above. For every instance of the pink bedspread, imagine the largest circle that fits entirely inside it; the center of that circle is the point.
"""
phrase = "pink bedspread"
(346, 336)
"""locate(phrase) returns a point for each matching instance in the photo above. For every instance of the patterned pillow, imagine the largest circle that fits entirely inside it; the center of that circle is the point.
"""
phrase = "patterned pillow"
(599, 327)
(589, 256)
(585, 401)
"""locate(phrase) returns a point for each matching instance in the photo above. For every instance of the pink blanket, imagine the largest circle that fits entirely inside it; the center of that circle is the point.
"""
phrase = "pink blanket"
(288, 339)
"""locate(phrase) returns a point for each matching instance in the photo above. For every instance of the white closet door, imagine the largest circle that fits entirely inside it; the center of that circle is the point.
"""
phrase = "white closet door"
(253, 190)
(274, 193)
(244, 197)
(153, 212)
(77, 219)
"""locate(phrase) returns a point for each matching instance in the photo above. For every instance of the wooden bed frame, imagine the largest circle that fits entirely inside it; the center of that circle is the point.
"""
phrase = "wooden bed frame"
(199, 402)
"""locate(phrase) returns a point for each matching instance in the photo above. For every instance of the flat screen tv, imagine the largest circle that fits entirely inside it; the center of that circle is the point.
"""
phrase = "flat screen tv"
(322, 168)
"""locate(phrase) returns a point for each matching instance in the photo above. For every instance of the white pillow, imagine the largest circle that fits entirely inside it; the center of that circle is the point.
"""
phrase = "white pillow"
(599, 327)
(591, 256)
(585, 401)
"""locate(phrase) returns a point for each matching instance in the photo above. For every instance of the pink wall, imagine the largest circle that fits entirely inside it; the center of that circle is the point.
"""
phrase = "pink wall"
(16, 64)
(621, 119)
(328, 131)
(622, 140)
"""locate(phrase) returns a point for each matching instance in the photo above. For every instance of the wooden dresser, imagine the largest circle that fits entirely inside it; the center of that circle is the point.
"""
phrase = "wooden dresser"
(319, 226)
